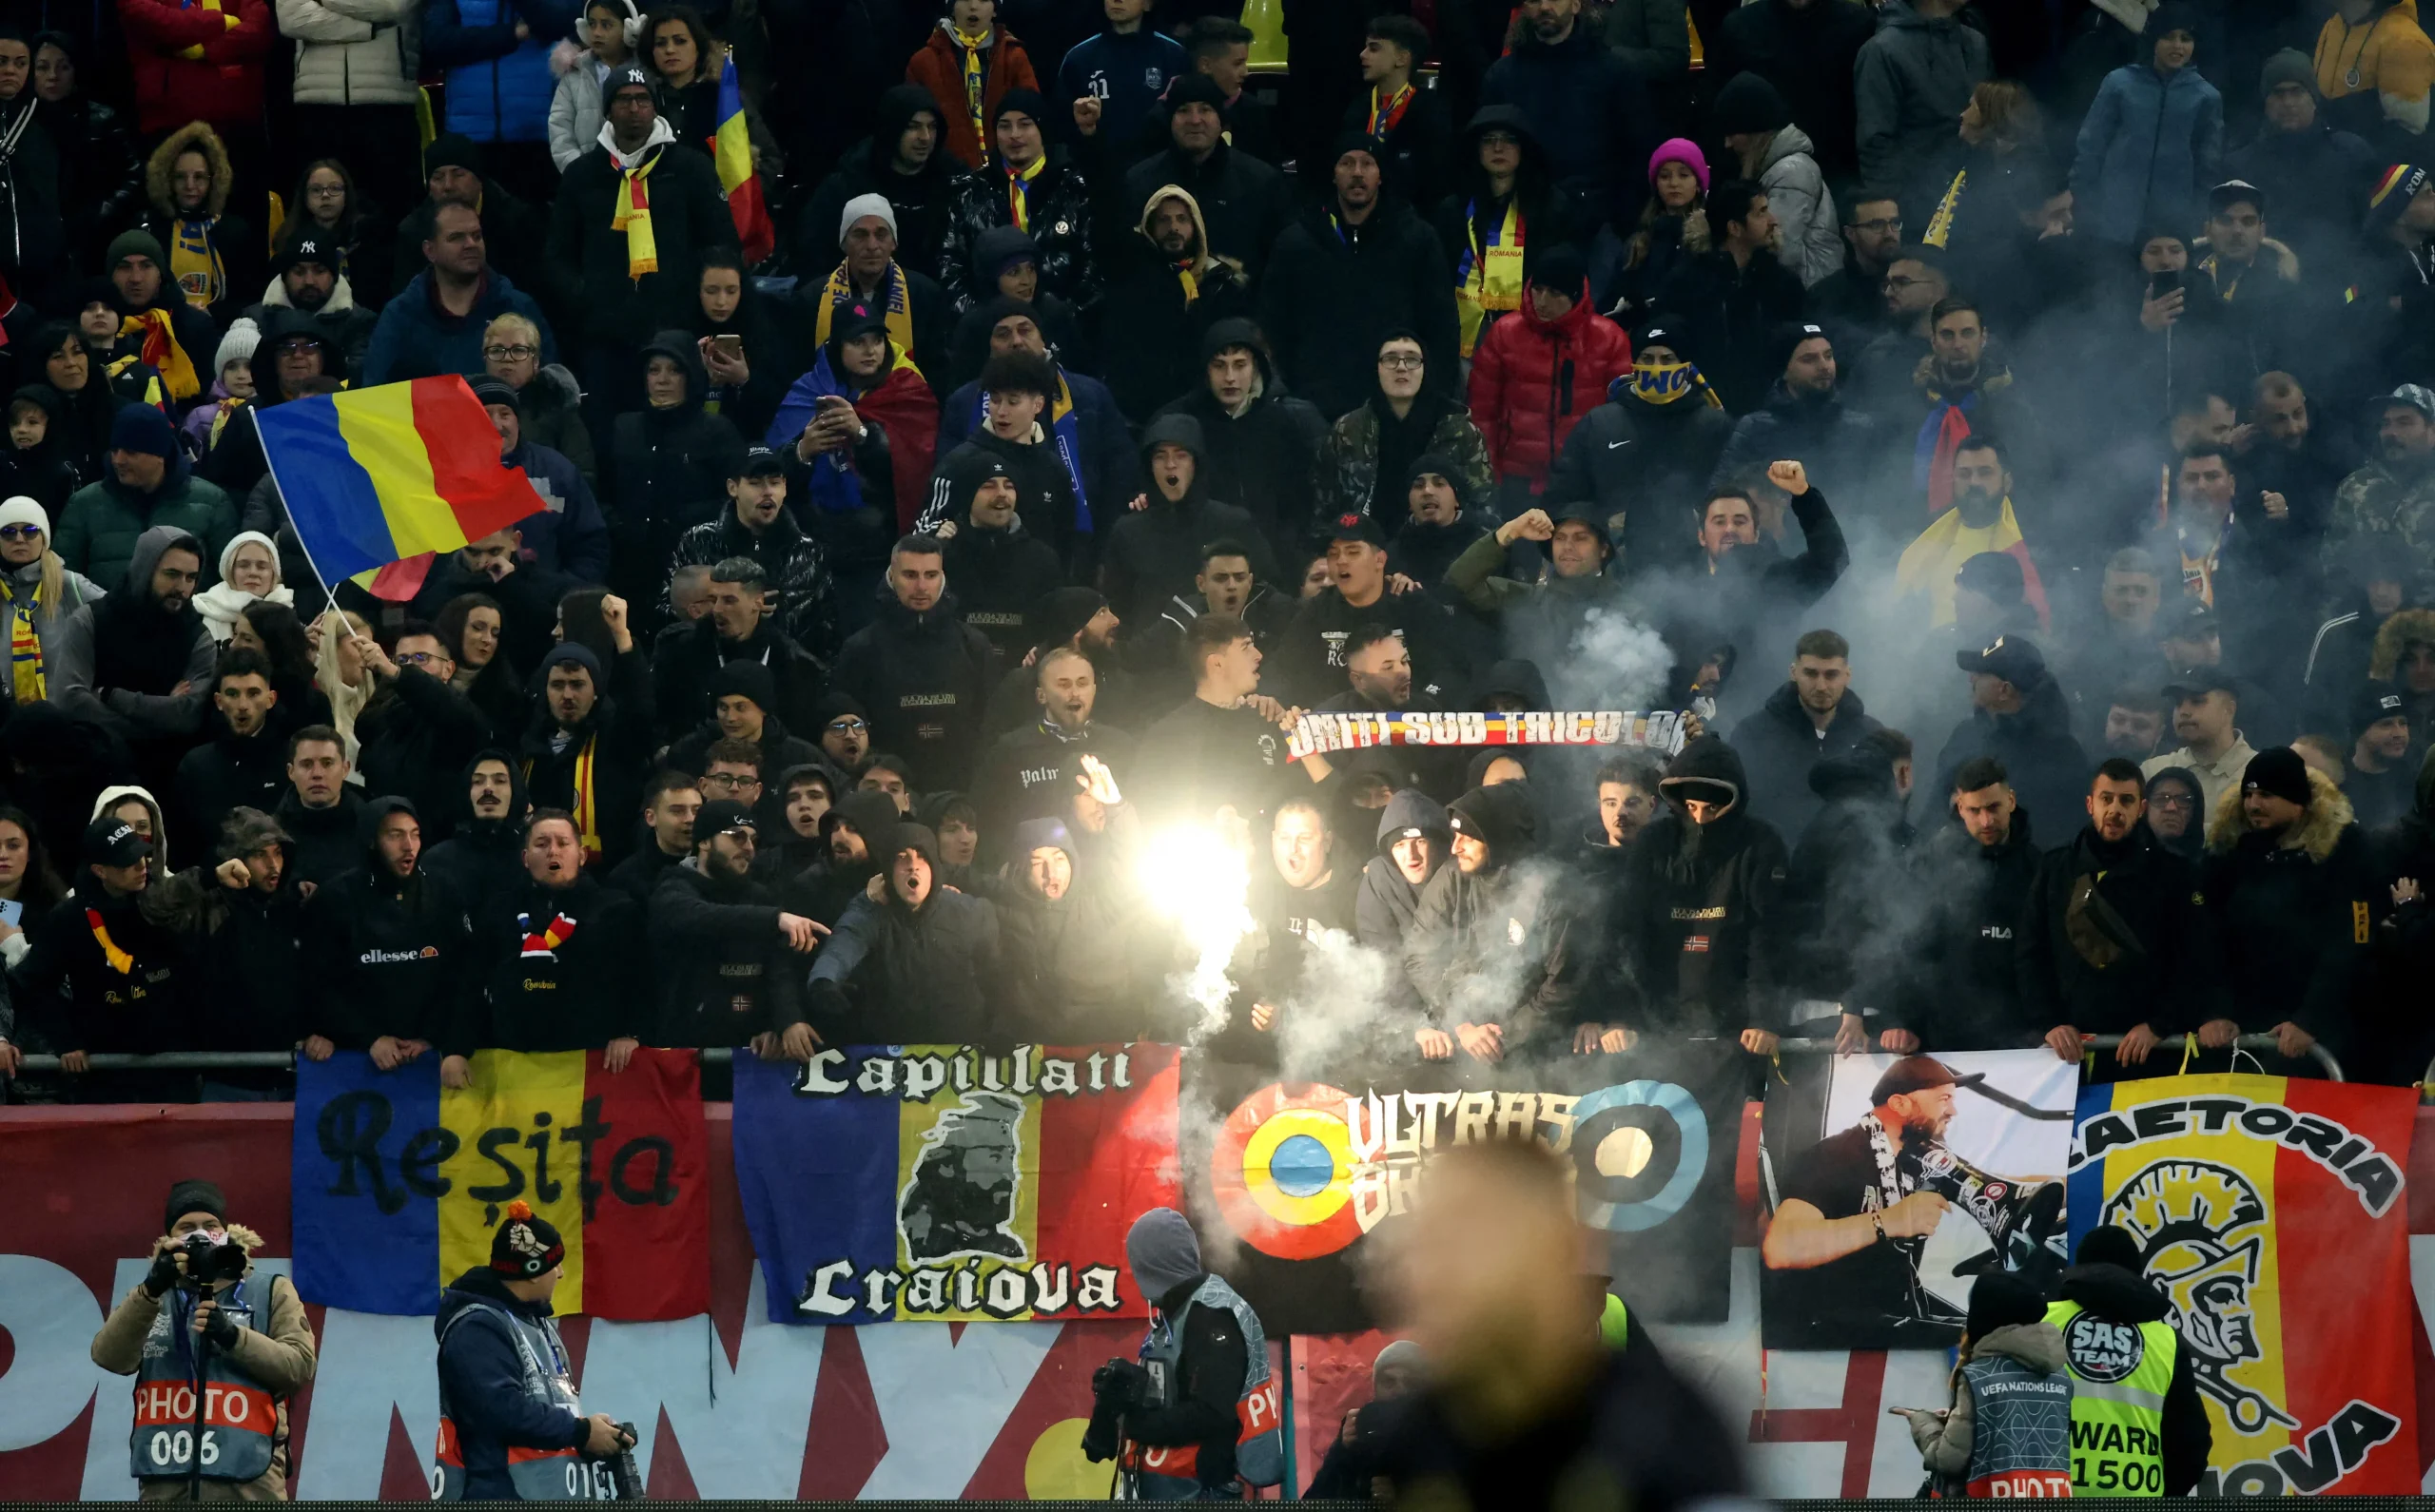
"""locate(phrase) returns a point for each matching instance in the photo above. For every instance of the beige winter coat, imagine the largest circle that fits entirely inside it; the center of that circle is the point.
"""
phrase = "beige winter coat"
(280, 1361)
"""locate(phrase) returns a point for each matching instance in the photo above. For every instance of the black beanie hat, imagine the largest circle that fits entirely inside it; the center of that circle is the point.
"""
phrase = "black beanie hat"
(525, 1246)
(1023, 102)
(1197, 86)
(2109, 1245)
(1748, 102)
(1559, 269)
(745, 678)
(193, 1196)
(452, 151)
(2278, 773)
(1061, 612)
(2002, 1297)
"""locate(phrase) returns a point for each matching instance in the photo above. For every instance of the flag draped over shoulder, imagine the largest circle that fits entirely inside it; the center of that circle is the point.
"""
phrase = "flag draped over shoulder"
(399, 1184)
(377, 476)
(733, 146)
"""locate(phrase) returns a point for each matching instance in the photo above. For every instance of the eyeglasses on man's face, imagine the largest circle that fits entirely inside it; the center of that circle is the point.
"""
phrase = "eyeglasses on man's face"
(1898, 283)
(416, 659)
(1882, 225)
(729, 782)
(848, 726)
(1401, 361)
(510, 354)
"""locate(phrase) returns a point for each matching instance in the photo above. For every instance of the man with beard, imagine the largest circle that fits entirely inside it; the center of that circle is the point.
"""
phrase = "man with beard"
(2018, 718)
(724, 949)
(1378, 666)
(1032, 772)
(921, 671)
(1749, 585)
(842, 727)
(1005, 568)
(1151, 554)
(1415, 839)
(1980, 520)
(1439, 523)
(1964, 391)
(1649, 451)
(1545, 618)
(139, 662)
(2136, 721)
(1699, 908)
(385, 947)
(925, 960)
(2383, 781)
(2394, 494)
(309, 283)
(1813, 717)
(555, 963)
(1805, 418)
(1852, 303)
(483, 856)
(1155, 316)
(2116, 939)
(853, 832)
(1313, 651)
(1732, 300)
(585, 754)
(1963, 992)
(1243, 202)
(1494, 955)
(1851, 1222)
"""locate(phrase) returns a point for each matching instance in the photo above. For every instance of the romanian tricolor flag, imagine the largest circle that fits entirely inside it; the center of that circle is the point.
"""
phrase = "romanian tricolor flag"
(399, 1184)
(953, 1183)
(733, 146)
(376, 475)
(2272, 1214)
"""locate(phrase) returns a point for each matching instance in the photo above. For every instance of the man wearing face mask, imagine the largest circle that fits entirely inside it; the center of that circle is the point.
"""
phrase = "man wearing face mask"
(240, 1340)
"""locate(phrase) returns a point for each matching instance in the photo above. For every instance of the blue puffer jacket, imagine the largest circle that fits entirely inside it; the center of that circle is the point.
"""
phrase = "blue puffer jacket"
(498, 89)
(2150, 147)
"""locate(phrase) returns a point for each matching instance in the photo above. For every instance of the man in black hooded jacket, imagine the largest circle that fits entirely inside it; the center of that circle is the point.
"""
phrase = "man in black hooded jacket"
(1416, 840)
(483, 856)
(1002, 568)
(556, 965)
(853, 835)
(418, 727)
(728, 959)
(926, 960)
(584, 754)
(1963, 992)
(1648, 452)
(385, 947)
(686, 657)
(138, 664)
(1476, 915)
(1842, 888)
(1261, 445)
(1151, 555)
(925, 676)
(904, 161)
(1700, 903)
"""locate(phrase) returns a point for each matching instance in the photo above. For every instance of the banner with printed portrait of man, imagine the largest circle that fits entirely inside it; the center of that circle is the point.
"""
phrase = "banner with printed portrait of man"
(1288, 1181)
(2272, 1213)
(1893, 1183)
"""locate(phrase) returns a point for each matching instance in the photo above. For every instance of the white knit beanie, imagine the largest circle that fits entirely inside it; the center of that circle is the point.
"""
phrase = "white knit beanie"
(23, 511)
(236, 346)
(861, 206)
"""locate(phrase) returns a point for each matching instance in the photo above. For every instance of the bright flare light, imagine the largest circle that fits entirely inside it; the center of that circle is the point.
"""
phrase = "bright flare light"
(1193, 876)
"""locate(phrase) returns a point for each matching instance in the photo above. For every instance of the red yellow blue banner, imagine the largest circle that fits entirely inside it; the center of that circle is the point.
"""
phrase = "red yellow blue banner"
(398, 1183)
(2272, 1213)
(733, 147)
(952, 1182)
(372, 477)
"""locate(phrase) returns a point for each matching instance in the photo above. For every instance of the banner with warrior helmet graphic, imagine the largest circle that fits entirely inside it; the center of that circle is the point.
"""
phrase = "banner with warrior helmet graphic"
(1891, 1183)
(2272, 1213)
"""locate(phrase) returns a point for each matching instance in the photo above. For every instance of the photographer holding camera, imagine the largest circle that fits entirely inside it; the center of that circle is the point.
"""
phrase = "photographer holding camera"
(216, 1353)
(504, 1384)
(1199, 1412)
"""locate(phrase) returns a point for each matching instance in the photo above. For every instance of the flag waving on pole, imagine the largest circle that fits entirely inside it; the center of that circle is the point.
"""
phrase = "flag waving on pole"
(736, 173)
(374, 477)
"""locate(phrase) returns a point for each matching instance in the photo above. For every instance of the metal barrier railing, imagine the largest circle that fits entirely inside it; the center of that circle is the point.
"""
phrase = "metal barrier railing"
(281, 1059)
(2252, 1043)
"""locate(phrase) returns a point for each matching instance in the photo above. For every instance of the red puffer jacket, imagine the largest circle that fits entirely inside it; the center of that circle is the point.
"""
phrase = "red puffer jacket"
(222, 84)
(1532, 381)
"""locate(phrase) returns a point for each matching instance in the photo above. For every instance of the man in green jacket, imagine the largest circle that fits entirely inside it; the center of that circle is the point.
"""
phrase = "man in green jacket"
(151, 486)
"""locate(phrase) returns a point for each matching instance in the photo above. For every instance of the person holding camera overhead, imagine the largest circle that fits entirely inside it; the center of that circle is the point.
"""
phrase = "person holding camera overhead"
(202, 1317)
(1199, 1412)
(505, 1385)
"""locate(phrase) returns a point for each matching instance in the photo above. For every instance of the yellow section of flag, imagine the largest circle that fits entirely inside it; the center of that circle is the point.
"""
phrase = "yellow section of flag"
(508, 1125)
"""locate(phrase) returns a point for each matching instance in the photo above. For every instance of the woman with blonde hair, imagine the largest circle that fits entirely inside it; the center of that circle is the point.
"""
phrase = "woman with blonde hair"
(40, 592)
(548, 399)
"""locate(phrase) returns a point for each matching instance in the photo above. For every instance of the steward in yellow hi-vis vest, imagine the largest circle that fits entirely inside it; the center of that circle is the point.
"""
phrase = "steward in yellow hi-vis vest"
(2139, 1427)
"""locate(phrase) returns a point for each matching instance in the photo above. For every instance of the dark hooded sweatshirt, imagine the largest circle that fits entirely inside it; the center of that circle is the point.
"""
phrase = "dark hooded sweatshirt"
(1964, 990)
(383, 955)
(919, 200)
(1073, 963)
(1152, 554)
(1265, 459)
(1700, 906)
(1468, 926)
(724, 969)
(667, 468)
(325, 842)
(483, 859)
(117, 661)
(1385, 906)
(925, 677)
(932, 973)
(417, 732)
(1001, 575)
(826, 889)
(577, 993)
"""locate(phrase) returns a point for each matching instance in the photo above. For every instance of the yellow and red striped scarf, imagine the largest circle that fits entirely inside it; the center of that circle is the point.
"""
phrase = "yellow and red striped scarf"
(119, 961)
(975, 83)
(633, 218)
(25, 647)
(584, 800)
(1019, 190)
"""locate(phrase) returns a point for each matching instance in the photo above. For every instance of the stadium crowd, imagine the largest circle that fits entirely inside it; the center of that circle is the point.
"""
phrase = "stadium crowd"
(965, 441)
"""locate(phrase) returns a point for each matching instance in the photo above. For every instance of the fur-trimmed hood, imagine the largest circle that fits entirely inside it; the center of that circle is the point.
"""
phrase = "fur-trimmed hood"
(2394, 636)
(200, 138)
(2319, 829)
(245, 1239)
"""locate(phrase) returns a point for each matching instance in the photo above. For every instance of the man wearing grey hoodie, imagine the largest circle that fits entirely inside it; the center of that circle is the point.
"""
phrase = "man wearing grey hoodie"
(138, 664)
(1911, 84)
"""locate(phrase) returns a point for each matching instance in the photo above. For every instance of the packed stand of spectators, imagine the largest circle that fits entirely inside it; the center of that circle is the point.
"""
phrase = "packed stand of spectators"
(2006, 433)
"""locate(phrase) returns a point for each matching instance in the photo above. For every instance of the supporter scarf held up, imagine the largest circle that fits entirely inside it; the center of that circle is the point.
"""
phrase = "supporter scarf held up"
(899, 306)
(1488, 279)
(161, 349)
(586, 795)
(1655, 382)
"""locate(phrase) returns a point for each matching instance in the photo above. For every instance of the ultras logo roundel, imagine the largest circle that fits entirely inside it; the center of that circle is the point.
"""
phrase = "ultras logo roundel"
(1282, 1171)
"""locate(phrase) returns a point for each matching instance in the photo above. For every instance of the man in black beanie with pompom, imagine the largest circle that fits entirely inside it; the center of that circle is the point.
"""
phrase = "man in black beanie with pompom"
(505, 1383)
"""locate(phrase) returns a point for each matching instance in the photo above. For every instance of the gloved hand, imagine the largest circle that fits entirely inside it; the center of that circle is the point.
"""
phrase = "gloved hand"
(1122, 1383)
(163, 1274)
(219, 1329)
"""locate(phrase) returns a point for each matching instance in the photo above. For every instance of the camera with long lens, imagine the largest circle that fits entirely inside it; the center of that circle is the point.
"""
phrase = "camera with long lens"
(208, 1263)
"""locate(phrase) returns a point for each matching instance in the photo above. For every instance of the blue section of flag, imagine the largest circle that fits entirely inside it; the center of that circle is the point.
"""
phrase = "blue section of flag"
(2084, 1192)
(365, 1239)
(331, 499)
(817, 1179)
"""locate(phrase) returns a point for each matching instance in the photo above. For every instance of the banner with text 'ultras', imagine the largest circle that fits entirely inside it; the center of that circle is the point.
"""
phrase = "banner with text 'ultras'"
(399, 1183)
(952, 1182)
(2272, 1214)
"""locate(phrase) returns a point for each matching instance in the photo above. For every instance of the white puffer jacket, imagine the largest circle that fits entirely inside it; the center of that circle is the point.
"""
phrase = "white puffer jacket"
(1813, 244)
(349, 51)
